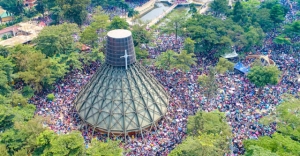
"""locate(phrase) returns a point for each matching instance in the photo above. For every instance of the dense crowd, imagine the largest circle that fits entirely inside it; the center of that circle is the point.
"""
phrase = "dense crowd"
(236, 96)
(164, 42)
(120, 10)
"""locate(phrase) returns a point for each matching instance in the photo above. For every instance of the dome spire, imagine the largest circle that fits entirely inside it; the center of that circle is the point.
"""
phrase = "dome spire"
(118, 41)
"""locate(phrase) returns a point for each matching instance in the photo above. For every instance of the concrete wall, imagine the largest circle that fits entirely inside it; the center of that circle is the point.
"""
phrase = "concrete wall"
(145, 8)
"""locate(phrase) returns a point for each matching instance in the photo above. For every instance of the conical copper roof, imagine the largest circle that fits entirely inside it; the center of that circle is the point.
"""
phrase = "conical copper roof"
(117, 100)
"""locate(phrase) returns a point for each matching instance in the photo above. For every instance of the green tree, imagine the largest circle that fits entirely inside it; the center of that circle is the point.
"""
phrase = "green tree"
(282, 40)
(4, 51)
(293, 29)
(18, 99)
(93, 56)
(175, 24)
(58, 68)
(74, 10)
(89, 36)
(21, 152)
(262, 17)
(50, 97)
(22, 135)
(56, 39)
(278, 143)
(189, 45)
(40, 7)
(4, 87)
(140, 35)
(166, 60)
(43, 142)
(100, 2)
(27, 92)
(57, 15)
(184, 61)
(99, 22)
(277, 14)
(72, 60)
(132, 13)
(14, 7)
(65, 145)
(208, 84)
(23, 113)
(6, 117)
(141, 53)
(43, 6)
(3, 150)
(7, 66)
(258, 151)
(212, 138)
(34, 68)
(263, 75)
(211, 35)
(36, 73)
(251, 5)
(193, 9)
(286, 117)
(109, 148)
(219, 6)
(239, 12)
(4, 99)
(195, 124)
(118, 23)
(210, 123)
(254, 37)
(224, 65)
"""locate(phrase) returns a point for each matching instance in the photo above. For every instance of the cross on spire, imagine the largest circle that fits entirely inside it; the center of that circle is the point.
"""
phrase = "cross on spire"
(125, 56)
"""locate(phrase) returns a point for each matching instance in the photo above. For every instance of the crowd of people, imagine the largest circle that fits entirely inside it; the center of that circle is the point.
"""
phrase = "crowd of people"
(164, 42)
(122, 11)
(236, 96)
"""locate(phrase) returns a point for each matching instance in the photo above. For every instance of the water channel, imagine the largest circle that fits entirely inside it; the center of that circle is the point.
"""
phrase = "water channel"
(155, 12)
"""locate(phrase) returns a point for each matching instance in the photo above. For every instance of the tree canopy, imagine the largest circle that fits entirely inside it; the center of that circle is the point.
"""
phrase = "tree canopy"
(263, 75)
(166, 60)
(224, 65)
(286, 141)
(118, 23)
(219, 6)
(211, 137)
(184, 61)
(74, 10)
(208, 83)
(109, 148)
(15, 7)
(57, 39)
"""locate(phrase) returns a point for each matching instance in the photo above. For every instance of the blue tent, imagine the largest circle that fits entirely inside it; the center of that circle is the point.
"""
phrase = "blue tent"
(240, 67)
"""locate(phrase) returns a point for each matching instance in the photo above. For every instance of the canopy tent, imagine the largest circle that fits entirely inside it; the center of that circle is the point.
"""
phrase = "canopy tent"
(240, 67)
(231, 55)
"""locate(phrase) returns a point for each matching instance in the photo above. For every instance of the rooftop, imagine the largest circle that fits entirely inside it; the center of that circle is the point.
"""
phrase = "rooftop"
(3, 13)
(20, 39)
(119, 33)
(31, 28)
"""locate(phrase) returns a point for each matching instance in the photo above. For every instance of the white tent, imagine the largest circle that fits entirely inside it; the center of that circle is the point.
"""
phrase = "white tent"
(230, 55)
